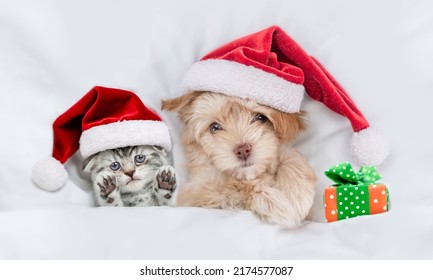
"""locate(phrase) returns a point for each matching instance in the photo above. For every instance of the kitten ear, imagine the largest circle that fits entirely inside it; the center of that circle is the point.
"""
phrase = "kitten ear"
(158, 148)
(177, 104)
(287, 125)
(89, 163)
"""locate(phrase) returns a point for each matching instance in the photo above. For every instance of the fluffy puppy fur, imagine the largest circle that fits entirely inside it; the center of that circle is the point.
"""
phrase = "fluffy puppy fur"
(240, 157)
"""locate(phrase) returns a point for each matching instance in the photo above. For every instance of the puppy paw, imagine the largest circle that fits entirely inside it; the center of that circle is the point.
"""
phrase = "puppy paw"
(272, 206)
(165, 184)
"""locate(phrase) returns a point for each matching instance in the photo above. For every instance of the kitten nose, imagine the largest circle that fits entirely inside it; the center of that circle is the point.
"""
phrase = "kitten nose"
(243, 151)
(130, 173)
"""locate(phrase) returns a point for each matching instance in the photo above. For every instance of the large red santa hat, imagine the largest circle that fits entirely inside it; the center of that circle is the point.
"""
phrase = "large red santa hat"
(272, 69)
(103, 119)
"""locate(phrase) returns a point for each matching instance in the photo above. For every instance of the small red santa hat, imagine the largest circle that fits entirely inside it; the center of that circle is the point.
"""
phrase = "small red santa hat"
(272, 69)
(103, 119)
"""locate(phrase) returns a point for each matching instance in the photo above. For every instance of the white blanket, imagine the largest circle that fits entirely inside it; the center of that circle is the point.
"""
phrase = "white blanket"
(53, 52)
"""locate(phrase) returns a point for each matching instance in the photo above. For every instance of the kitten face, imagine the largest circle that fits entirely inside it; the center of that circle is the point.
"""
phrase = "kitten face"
(133, 167)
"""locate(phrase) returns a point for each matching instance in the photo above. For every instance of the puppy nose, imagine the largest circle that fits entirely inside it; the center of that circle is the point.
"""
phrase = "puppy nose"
(243, 151)
(130, 173)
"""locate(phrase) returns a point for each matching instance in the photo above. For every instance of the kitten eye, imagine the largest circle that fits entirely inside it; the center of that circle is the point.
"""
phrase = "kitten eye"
(260, 117)
(115, 166)
(139, 158)
(214, 127)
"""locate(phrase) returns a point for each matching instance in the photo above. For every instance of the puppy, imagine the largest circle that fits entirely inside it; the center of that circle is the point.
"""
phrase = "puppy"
(240, 157)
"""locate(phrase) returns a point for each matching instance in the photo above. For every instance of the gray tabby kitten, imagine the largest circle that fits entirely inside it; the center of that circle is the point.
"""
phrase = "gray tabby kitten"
(132, 176)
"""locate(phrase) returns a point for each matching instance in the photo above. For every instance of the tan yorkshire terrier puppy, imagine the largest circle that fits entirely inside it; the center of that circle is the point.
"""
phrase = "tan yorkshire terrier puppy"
(240, 157)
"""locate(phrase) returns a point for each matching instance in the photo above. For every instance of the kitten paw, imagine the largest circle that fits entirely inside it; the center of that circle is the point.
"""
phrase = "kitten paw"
(165, 185)
(166, 178)
(108, 190)
(108, 185)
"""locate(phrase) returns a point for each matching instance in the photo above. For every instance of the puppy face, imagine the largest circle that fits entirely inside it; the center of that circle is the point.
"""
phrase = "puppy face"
(240, 137)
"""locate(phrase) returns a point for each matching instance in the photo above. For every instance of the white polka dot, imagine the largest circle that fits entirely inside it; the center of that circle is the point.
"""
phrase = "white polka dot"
(375, 200)
(333, 170)
(333, 212)
(351, 193)
(351, 203)
(341, 212)
(357, 206)
(325, 205)
(383, 192)
(347, 217)
(356, 188)
(357, 197)
(363, 202)
(340, 193)
(363, 211)
(341, 173)
(347, 175)
(331, 196)
(345, 198)
(384, 208)
(373, 186)
(345, 189)
(351, 170)
(347, 208)
(352, 212)
(341, 203)
(362, 192)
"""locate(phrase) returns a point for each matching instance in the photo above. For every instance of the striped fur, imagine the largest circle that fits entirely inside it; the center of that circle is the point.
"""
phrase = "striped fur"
(130, 182)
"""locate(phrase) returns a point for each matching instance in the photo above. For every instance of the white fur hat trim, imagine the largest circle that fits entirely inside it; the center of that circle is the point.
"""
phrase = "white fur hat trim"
(123, 134)
(236, 79)
(49, 174)
(369, 146)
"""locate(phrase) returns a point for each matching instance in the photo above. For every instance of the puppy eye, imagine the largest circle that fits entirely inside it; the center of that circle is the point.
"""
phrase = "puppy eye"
(215, 127)
(260, 117)
(139, 158)
(115, 166)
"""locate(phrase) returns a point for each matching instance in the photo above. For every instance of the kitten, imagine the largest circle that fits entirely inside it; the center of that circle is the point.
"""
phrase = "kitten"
(132, 176)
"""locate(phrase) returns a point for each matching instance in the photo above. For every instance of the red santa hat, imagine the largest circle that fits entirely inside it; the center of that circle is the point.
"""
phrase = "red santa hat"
(103, 119)
(272, 69)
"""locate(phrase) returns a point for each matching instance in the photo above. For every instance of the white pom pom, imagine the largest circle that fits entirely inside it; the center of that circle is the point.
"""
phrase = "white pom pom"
(369, 147)
(49, 174)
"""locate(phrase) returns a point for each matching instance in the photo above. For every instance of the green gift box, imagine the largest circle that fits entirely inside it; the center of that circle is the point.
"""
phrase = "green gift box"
(354, 194)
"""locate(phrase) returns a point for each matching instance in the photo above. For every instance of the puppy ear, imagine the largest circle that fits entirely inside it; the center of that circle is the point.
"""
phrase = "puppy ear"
(287, 126)
(178, 103)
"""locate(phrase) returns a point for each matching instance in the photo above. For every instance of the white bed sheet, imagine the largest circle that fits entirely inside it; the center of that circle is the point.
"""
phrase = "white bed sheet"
(52, 52)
